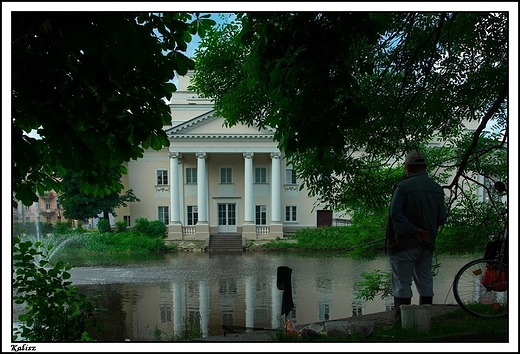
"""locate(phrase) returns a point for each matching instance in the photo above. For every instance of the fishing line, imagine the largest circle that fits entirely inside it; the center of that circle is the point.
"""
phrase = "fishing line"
(360, 245)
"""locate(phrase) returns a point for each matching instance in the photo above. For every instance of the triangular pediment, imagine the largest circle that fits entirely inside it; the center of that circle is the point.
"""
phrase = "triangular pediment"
(210, 125)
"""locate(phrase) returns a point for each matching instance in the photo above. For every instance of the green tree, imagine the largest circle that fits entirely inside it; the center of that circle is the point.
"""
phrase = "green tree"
(81, 206)
(336, 84)
(92, 85)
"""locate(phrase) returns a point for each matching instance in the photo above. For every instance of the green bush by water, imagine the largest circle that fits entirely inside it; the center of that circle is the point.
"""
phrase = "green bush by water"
(53, 308)
(103, 225)
(358, 242)
(78, 247)
(121, 226)
(109, 242)
(29, 228)
(154, 228)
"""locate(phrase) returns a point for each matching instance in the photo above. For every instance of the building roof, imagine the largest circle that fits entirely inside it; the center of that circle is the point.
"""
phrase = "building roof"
(210, 126)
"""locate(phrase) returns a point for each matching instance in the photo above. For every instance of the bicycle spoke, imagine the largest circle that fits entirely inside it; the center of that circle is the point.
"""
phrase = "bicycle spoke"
(481, 290)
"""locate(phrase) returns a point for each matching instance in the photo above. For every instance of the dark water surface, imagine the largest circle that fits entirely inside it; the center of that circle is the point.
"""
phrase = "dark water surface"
(162, 296)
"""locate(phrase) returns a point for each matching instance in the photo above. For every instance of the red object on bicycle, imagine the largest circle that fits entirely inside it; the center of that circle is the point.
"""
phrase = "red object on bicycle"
(497, 281)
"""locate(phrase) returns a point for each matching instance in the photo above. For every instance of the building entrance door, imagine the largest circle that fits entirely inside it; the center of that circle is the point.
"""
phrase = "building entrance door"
(227, 218)
(324, 218)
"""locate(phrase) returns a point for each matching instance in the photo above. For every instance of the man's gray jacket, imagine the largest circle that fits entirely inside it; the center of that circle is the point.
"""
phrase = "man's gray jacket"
(417, 202)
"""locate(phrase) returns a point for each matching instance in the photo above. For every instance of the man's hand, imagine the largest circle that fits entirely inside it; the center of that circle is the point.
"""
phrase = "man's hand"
(422, 236)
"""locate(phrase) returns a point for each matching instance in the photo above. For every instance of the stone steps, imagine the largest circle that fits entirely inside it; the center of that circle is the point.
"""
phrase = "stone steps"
(226, 242)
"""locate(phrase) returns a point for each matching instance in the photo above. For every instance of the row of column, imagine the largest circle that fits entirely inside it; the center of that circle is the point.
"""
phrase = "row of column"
(202, 188)
(179, 297)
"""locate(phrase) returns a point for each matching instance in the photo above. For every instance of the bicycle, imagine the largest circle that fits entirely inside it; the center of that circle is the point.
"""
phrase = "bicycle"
(480, 286)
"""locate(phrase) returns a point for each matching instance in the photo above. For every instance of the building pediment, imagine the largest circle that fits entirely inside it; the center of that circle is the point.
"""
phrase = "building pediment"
(210, 126)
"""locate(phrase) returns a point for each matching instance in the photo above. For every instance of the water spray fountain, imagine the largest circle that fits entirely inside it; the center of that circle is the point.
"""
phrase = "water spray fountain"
(57, 243)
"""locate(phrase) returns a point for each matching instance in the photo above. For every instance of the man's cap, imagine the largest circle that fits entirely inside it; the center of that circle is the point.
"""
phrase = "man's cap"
(415, 158)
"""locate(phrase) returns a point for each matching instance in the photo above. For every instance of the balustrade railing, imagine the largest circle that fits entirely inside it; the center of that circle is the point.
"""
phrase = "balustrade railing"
(262, 230)
(188, 230)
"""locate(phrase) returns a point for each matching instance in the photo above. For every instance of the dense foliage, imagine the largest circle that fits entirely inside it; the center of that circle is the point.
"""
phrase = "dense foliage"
(92, 85)
(54, 310)
(80, 206)
(349, 94)
(20, 228)
(153, 228)
(364, 238)
(103, 225)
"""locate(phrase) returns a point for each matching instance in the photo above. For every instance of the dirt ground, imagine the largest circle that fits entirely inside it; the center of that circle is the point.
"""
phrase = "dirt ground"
(380, 319)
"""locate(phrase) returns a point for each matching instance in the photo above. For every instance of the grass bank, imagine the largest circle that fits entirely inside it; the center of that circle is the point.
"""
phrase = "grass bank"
(454, 326)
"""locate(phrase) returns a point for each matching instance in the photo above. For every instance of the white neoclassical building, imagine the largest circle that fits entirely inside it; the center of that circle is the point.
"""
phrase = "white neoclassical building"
(216, 180)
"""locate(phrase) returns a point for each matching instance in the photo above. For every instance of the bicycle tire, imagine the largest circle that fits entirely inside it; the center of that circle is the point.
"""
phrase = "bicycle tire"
(471, 293)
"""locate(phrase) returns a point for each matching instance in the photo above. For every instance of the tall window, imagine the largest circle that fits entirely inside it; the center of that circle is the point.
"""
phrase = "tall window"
(357, 308)
(166, 313)
(290, 176)
(225, 175)
(290, 213)
(260, 175)
(261, 214)
(191, 175)
(163, 214)
(47, 204)
(193, 215)
(323, 312)
(126, 218)
(162, 177)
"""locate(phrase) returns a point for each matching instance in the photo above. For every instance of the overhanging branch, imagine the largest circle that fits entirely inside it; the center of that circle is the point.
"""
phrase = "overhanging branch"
(476, 135)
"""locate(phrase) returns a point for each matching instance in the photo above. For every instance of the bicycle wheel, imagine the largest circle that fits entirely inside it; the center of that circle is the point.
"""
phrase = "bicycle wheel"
(480, 289)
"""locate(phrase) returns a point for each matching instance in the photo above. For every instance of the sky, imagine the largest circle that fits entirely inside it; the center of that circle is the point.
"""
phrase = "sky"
(192, 46)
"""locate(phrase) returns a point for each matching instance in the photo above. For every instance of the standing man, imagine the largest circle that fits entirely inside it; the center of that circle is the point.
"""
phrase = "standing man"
(416, 211)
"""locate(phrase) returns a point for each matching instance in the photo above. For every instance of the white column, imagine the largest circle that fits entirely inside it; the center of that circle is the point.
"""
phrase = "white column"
(174, 188)
(276, 215)
(204, 307)
(177, 308)
(202, 199)
(250, 302)
(248, 186)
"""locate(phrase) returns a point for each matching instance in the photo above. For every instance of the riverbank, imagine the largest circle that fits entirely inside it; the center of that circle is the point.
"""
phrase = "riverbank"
(379, 320)
(199, 246)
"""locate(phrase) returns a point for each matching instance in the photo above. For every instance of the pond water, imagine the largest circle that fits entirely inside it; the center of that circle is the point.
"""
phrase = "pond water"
(159, 297)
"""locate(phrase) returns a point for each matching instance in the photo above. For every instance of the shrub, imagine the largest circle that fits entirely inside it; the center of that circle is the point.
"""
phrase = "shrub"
(28, 228)
(150, 228)
(62, 228)
(141, 225)
(157, 228)
(54, 309)
(103, 225)
(80, 229)
(121, 226)
(46, 228)
(18, 228)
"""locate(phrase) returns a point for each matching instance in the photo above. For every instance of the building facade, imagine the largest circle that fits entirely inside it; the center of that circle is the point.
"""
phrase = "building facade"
(215, 180)
(47, 209)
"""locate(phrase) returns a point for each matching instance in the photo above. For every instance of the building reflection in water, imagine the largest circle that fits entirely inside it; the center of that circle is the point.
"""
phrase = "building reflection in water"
(170, 310)
(161, 301)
